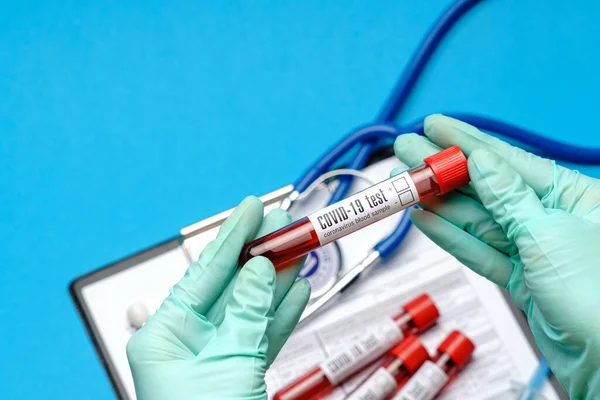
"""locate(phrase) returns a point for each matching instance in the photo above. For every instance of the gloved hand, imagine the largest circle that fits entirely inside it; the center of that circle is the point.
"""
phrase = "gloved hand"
(221, 327)
(531, 227)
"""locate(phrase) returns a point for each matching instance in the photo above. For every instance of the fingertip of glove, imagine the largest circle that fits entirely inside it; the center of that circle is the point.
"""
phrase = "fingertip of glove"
(447, 131)
(304, 286)
(403, 142)
(481, 161)
(396, 171)
(404, 139)
(299, 293)
(280, 215)
(261, 267)
(250, 206)
(479, 155)
(432, 120)
(252, 202)
(406, 146)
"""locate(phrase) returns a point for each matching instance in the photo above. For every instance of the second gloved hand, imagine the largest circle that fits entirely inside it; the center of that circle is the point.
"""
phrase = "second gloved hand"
(531, 227)
(221, 327)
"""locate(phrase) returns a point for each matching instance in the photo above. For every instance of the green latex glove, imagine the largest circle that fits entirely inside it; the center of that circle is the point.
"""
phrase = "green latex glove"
(531, 227)
(221, 326)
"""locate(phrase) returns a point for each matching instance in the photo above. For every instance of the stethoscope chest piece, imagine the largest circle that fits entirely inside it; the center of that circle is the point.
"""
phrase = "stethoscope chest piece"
(322, 268)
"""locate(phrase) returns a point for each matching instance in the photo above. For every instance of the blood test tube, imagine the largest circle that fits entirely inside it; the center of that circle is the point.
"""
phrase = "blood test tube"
(398, 365)
(415, 317)
(452, 356)
(439, 174)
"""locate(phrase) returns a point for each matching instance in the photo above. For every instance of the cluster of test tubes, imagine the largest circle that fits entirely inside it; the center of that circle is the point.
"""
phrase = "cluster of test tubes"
(404, 369)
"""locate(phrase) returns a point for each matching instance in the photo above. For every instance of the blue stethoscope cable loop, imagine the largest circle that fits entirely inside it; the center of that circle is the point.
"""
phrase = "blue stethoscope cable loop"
(396, 100)
(389, 131)
(391, 243)
(545, 146)
(405, 84)
(421, 57)
(376, 131)
(549, 147)
(366, 137)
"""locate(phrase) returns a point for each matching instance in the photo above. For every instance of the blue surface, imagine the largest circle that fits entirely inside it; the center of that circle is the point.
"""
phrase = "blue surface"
(119, 124)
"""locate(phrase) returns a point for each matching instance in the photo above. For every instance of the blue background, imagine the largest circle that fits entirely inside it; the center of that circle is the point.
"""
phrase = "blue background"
(121, 123)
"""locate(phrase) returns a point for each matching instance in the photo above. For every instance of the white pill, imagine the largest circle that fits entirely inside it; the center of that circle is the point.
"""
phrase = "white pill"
(137, 315)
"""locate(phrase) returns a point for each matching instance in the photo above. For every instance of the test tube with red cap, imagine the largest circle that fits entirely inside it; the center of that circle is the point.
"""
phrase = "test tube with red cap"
(439, 174)
(452, 356)
(415, 317)
(398, 365)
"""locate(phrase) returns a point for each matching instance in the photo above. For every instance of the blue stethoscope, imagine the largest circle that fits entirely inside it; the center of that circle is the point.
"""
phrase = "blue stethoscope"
(368, 138)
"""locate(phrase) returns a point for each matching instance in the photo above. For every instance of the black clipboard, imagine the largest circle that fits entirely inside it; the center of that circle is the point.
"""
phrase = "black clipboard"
(77, 285)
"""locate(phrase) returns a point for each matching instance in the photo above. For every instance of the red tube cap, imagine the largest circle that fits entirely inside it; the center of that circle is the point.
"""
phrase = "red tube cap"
(450, 168)
(458, 347)
(412, 353)
(423, 311)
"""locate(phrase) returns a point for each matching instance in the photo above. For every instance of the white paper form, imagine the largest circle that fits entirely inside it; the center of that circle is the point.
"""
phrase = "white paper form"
(466, 303)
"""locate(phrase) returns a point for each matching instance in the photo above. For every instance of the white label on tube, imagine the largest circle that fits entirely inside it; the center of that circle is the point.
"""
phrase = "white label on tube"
(363, 208)
(378, 339)
(425, 383)
(377, 387)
